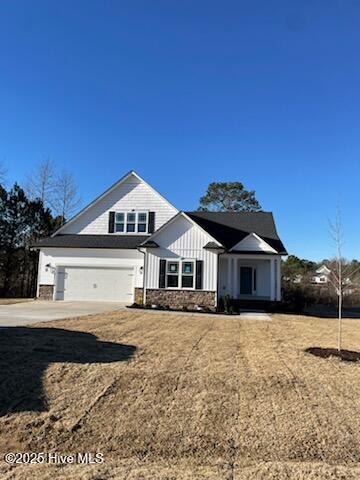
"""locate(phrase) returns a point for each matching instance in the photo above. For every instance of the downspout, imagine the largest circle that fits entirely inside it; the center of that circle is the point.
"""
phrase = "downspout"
(144, 273)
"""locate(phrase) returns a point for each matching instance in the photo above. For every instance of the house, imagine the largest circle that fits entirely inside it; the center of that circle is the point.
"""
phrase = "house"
(321, 275)
(131, 245)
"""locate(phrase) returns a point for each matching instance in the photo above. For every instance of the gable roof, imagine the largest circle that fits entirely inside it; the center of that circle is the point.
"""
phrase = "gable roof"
(323, 270)
(229, 228)
(253, 242)
(92, 241)
(173, 219)
(109, 190)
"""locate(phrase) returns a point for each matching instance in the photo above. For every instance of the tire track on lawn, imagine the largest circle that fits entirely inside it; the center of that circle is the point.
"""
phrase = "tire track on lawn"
(181, 373)
(111, 387)
(306, 399)
(193, 348)
(247, 376)
(233, 442)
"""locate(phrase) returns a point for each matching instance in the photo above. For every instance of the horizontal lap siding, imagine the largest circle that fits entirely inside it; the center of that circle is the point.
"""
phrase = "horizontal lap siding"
(130, 195)
(89, 257)
(182, 240)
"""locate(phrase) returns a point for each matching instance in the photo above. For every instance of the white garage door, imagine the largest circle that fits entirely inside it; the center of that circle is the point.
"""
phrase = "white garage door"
(89, 283)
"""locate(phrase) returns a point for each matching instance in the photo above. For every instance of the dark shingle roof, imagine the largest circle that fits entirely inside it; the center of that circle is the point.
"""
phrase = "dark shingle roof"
(150, 244)
(92, 241)
(229, 228)
(213, 246)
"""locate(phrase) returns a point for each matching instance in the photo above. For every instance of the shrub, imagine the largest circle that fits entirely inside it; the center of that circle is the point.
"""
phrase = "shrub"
(220, 306)
(227, 301)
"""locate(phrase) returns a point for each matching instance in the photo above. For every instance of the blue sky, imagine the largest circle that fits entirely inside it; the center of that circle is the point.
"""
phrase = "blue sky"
(185, 93)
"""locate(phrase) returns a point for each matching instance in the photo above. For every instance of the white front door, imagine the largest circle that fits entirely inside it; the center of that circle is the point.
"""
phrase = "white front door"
(98, 284)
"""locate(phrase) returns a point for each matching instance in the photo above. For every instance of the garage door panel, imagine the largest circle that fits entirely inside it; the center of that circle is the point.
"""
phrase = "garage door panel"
(89, 283)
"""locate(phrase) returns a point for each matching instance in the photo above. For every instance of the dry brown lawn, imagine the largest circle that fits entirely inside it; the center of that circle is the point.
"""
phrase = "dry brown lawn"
(12, 301)
(181, 397)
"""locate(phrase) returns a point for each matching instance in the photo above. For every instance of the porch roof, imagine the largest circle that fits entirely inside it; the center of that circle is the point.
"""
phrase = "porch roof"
(229, 228)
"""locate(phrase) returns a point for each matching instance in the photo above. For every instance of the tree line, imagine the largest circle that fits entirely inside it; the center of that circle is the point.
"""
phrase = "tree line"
(27, 214)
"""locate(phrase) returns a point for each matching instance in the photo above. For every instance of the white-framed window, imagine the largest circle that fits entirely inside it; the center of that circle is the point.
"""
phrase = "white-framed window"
(119, 222)
(131, 222)
(180, 274)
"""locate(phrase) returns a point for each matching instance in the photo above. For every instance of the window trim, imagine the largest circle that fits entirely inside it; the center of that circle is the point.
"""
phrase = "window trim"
(180, 273)
(136, 223)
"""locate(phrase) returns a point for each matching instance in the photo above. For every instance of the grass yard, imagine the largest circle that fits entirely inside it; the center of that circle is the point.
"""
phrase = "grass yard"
(12, 301)
(181, 397)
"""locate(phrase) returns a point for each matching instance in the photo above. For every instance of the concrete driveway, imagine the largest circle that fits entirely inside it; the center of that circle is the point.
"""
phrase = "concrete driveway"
(21, 314)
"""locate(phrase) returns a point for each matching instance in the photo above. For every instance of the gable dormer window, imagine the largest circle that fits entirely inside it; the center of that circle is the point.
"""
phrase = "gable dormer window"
(119, 222)
(142, 222)
(131, 222)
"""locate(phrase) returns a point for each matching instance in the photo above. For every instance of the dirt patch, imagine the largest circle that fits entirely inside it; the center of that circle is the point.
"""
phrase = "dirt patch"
(345, 355)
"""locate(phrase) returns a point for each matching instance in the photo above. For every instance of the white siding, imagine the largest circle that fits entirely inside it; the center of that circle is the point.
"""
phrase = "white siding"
(182, 240)
(88, 257)
(254, 244)
(132, 194)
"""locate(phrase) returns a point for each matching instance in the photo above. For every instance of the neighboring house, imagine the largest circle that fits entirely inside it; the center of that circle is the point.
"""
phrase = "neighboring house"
(130, 244)
(297, 279)
(321, 276)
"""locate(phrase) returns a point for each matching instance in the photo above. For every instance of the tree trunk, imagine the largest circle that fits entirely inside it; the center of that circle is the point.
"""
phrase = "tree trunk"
(339, 322)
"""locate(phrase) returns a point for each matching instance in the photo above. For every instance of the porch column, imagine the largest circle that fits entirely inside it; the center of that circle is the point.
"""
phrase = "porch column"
(278, 277)
(228, 289)
(233, 277)
(272, 279)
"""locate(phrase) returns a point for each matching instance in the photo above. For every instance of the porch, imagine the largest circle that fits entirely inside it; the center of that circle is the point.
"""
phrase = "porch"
(250, 277)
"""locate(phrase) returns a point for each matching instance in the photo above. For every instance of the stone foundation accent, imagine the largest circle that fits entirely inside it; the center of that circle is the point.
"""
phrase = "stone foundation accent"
(138, 296)
(181, 298)
(46, 292)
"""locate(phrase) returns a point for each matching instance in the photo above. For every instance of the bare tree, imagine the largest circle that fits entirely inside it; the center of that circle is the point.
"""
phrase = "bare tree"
(65, 199)
(341, 272)
(336, 276)
(40, 182)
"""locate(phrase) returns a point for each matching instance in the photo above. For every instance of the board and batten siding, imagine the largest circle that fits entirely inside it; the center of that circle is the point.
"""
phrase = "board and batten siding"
(182, 240)
(132, 194)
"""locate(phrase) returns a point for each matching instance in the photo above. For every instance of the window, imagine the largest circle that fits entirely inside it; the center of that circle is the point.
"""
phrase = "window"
(131, 222)
(187, 277)
(119, 222)
(255, 280)
(172, 276)
(180, 274)
(142, 222)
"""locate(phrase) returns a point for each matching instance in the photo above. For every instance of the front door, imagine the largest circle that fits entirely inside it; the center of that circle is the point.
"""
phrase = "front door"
(246, 280)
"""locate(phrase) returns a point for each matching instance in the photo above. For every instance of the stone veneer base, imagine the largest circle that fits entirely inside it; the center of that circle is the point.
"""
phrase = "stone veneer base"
(181, 298)
(46, 292)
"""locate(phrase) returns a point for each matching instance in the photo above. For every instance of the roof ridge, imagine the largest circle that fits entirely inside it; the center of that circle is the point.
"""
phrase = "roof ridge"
(269, 212)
